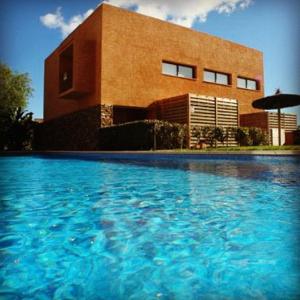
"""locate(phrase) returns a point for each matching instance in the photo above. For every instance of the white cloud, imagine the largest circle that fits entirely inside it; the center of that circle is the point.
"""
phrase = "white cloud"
(182, 12)
(56, 20)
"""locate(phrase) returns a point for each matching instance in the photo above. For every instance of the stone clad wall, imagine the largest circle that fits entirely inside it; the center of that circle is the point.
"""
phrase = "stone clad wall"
(75, 131)
(106, 115)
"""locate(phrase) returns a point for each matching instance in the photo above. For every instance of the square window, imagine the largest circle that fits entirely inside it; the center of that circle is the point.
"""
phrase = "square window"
(169, 69)
(241, 83)
(186, 72)
(251, 85)
(222, 79)
(209, 76)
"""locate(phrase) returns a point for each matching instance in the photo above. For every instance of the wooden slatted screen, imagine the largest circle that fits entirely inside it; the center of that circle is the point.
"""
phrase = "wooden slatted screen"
(288, 121)
(195, 110)
(212, 111)
(174, 109)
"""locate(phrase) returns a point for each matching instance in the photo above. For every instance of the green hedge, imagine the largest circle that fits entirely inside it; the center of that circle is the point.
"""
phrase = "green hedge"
(143, 135)
(244, 136)
(211, 134)
(251, 136)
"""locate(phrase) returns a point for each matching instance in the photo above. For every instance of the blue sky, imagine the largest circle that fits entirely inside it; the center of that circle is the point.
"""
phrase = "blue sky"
(272, 26)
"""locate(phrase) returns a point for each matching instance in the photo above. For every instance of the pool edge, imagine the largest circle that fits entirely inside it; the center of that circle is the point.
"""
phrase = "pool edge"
(160, 153)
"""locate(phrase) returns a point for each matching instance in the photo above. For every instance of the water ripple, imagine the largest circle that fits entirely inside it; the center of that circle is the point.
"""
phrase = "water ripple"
(72, 229)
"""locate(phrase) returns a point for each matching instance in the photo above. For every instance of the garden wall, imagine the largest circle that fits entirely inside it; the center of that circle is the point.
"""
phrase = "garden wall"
(92, 129)
(75, 131)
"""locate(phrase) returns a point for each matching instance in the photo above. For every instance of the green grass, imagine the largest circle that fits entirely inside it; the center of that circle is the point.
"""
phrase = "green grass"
(253, 148)
(242, 148)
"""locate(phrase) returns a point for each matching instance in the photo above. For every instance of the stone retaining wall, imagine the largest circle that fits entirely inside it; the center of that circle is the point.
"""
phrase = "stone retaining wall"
(75, 131)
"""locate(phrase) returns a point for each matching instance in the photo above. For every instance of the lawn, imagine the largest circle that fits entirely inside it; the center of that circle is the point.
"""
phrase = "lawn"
(242, 148)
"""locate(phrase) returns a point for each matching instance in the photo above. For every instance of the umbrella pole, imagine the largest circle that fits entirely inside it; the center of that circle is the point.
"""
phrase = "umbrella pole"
(279, 127)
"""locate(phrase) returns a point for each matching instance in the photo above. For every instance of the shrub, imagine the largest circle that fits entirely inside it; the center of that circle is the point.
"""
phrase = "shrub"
(242, 136)
(251, 136)
(257, 136)
(16, 130)
(143, 135)
(169, 135)
(210, 135)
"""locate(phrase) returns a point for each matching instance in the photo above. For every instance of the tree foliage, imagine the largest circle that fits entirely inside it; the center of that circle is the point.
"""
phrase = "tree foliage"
(16, 125)
(251, 136)
(17, 130)
(15, 89)
(242, 136)
(245, 136)
(210, 134)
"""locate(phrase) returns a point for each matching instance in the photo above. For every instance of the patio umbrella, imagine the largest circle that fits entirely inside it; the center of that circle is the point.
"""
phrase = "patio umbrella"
(277, 101)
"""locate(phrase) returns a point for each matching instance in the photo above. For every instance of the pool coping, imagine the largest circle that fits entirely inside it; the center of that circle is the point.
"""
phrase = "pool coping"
(171, 153)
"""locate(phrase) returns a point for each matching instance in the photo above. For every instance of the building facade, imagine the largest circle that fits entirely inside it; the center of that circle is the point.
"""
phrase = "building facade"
(127, 61)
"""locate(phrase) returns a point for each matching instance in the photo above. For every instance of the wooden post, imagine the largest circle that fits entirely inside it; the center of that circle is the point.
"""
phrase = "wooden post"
(189, 134)
(227, 136)
(154, 137)
(279, 127)
(270, 142)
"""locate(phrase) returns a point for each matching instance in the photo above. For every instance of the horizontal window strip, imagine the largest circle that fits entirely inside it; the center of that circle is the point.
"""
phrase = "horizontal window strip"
(246, 83)
(216, 77)
(178, 70)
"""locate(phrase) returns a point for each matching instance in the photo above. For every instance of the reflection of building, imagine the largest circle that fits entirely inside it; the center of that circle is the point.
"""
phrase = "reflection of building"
(127, 61)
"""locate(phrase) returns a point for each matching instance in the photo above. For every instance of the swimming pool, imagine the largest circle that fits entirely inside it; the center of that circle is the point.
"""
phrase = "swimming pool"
(149, 229)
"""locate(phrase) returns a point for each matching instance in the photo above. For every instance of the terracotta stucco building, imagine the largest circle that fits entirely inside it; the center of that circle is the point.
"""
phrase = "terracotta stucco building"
(126, 60)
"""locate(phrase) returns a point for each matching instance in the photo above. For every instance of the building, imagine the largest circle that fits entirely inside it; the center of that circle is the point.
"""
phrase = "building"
(125, 61)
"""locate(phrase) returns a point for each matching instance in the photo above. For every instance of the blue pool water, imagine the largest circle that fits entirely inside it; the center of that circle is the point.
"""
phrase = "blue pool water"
(177, 229)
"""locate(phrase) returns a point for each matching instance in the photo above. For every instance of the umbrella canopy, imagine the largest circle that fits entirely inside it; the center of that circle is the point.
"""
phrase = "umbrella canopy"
(277, 101)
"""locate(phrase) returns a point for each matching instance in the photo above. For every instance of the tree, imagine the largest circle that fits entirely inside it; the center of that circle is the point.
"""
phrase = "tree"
(16, 126)
(17, 130)
(15, 89)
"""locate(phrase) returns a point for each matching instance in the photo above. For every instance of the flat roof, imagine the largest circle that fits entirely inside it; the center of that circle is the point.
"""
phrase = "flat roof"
(103, 4)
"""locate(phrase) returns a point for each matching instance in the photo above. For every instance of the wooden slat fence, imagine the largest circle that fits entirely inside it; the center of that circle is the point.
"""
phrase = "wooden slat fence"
(174, 109)
(212, 111)
(202, 111)
(288, 121)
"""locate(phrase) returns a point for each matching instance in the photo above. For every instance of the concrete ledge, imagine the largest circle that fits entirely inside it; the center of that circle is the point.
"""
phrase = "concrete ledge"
(164, 153)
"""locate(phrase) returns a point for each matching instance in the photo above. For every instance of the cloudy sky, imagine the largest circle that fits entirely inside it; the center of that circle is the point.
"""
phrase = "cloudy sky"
(30, 30)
